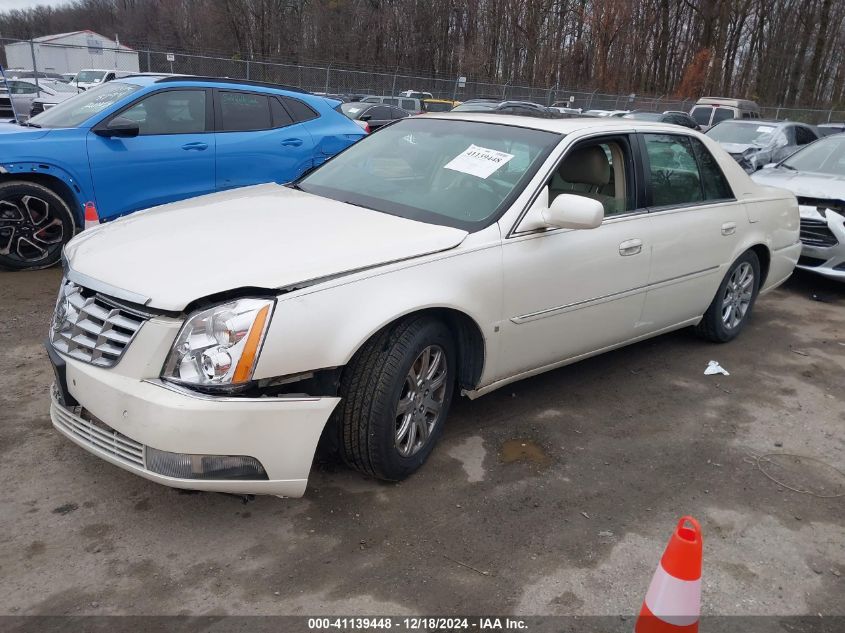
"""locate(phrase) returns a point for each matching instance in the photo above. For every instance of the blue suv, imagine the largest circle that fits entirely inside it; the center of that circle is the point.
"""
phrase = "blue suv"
(145, 140)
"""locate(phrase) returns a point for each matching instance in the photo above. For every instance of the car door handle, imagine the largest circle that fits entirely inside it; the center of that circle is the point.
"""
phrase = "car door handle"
(630, 247)
(292, 142)
(199, 146)
(729, 228)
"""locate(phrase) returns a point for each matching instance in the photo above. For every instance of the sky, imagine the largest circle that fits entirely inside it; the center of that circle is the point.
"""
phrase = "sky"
(6, 5)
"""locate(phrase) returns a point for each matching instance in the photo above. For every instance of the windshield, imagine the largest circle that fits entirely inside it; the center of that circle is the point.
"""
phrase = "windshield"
(743, 133)
(90, 76)
(82, 107)
(455, 173)
(824, 157)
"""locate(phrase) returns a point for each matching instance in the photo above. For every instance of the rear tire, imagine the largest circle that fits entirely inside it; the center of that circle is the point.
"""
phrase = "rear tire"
(35, 223)
(731, 307)
(396, 393)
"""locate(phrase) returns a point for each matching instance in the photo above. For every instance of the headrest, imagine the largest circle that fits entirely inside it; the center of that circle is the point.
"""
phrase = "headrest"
(588, 165)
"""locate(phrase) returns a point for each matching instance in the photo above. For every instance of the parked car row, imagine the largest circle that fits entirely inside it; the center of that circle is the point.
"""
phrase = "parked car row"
(26, 98)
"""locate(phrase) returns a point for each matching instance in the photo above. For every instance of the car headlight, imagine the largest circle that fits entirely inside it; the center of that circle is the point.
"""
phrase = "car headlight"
(219, 346)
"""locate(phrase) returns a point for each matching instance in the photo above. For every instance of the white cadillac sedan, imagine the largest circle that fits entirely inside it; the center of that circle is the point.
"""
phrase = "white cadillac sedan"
(210, 344)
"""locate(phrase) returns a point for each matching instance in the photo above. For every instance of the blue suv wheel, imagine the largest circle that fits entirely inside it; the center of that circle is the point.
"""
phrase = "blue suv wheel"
(34, 225)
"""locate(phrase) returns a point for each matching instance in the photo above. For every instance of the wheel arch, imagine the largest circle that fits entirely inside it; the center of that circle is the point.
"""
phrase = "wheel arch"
(55, 182)
(469, 340)
(764, 256)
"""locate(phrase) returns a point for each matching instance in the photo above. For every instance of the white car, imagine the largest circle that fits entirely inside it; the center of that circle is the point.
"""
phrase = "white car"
(88, 78)
(210, 343)
(816, 175)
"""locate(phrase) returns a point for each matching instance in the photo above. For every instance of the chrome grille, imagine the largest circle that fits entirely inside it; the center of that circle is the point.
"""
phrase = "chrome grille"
(91, 327)
(78, 423)
(817, 233)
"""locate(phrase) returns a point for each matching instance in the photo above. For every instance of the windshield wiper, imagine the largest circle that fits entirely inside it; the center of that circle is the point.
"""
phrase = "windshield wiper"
(785, 166)
(28, 124)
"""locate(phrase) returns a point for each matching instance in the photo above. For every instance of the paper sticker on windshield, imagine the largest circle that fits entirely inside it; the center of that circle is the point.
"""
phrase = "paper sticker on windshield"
(765, 129)
(478, 161)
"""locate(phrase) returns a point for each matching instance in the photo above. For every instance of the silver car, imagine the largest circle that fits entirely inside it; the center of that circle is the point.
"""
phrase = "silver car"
(24, 92)
(755, 143)
(816, 175)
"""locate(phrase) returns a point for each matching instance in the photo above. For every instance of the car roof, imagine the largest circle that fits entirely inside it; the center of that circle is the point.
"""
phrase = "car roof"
(560, 126)
(148, 79)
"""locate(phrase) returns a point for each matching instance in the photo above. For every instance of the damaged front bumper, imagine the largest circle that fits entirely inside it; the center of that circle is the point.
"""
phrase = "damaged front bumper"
(823, 239)
(180, 438)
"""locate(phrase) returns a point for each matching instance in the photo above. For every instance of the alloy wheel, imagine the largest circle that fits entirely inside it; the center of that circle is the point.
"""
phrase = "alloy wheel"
(421, 401)
(30, 229)
(738, 295)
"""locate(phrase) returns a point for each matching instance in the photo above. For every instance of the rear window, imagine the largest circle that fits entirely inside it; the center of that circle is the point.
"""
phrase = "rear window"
(437, 107)
(409, 104)
(722, 114)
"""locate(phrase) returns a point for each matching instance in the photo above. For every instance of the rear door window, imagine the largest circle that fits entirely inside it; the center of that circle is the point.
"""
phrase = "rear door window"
(672, 170)
(399, 113)
(713, 181)
(390, 101)
(244, 111)
(410, 105)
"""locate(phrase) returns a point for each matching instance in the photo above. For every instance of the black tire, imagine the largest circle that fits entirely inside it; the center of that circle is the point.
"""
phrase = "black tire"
(35, 223)
(713, 327)
(371, 387)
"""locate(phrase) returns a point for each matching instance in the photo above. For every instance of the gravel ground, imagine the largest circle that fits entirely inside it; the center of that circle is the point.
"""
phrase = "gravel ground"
(552, 496)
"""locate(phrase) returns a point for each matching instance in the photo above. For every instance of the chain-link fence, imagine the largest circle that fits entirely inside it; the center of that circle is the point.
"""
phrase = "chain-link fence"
(51, 59)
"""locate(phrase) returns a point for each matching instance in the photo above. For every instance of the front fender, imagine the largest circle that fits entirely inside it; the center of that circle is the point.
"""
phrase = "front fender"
(323, 326)
(79, 186)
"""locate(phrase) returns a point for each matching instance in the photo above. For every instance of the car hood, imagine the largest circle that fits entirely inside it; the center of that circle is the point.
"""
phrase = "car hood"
(802, 183)
(265, 236)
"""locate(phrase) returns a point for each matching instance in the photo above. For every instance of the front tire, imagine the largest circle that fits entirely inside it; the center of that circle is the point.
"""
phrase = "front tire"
(35, 223)
(396, 393)
(731, 307)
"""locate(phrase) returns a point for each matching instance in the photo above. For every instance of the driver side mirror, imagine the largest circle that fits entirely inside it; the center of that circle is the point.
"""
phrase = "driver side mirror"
(569, 211)
(120, 127)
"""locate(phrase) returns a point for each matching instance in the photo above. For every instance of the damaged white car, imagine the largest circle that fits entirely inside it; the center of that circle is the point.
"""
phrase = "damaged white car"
(209, 344)
(816, 174)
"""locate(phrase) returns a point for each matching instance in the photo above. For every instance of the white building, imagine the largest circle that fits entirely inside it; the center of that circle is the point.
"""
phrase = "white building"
(70, 52)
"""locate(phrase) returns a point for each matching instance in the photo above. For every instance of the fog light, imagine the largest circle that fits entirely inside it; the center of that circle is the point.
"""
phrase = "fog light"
(184, 466)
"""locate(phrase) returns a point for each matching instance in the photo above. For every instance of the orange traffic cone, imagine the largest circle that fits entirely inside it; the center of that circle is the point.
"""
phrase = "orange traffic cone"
(91, 217)
(673, 601)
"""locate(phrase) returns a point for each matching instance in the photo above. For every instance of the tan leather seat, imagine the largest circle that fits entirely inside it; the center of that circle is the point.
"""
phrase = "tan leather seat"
(585, 172)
